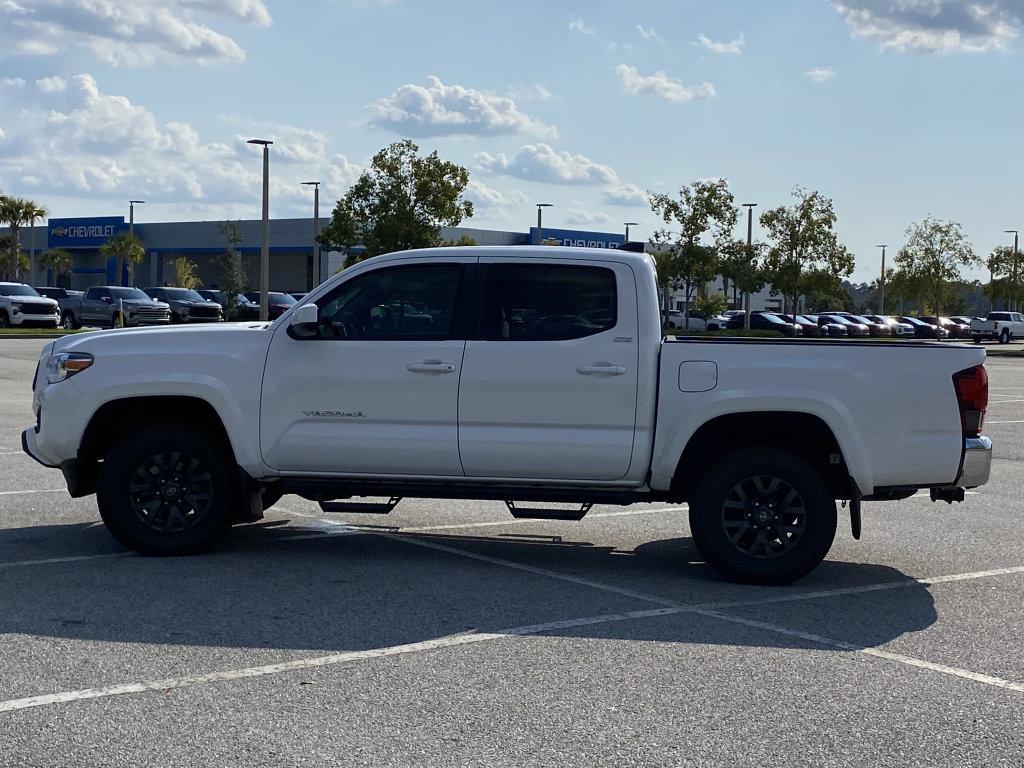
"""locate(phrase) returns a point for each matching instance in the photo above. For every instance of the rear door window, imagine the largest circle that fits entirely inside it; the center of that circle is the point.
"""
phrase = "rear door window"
(534, 302)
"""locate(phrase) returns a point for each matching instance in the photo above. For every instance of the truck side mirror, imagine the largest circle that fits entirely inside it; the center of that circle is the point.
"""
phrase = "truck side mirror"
(305, 322)
(108, 300)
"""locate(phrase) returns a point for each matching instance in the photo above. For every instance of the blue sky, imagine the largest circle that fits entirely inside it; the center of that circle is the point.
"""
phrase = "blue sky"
(894, 109)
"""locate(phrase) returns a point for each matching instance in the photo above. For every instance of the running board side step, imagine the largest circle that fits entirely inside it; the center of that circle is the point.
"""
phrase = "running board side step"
(361, 507)
(543, 513)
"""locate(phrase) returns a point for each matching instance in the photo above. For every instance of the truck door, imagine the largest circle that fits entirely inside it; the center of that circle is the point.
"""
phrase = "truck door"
(376, 393)
(549, 389)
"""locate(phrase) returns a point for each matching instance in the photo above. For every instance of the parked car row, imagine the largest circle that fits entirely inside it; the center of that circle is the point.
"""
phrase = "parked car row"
(849, 325)
(113, 306)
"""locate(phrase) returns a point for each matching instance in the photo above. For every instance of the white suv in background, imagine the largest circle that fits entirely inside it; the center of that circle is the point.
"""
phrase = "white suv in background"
(22, 305)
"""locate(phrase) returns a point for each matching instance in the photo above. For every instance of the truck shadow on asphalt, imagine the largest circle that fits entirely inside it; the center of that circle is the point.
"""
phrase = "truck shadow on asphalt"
(273, 587)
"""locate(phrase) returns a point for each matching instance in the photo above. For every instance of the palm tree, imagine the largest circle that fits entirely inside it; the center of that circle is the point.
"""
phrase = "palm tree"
(59, 261)
(126, 247)
(37, 213)
(16, 212)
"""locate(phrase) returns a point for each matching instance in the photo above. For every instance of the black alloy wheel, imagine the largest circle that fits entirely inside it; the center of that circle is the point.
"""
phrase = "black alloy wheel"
(171, 491)
(763, 516)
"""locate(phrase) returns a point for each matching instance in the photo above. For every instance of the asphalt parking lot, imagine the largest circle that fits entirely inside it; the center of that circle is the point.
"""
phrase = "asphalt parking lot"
(449, 634)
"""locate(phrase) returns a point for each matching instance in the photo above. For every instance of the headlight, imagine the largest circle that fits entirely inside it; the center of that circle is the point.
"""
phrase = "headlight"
(15, 306)
(65, 364)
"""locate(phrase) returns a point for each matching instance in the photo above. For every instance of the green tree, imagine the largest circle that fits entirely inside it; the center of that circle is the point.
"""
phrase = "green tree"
(745, 267)
(709, 304)
(186, 273)
(1005, 275)
(400, 202)
(59, 262)
(805, 254)
(128, 249)
(235, 280)
(17, 212)
(666, 264)
(704, 213)
(932, 256)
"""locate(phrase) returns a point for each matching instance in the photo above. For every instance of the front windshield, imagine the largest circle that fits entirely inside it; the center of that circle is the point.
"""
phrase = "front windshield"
(861, 319)
(133, 294)
(804, 319)
(281, 298)
(839, 319)
(183, 294)
(774, 319)
(913, 321)
(18, 290)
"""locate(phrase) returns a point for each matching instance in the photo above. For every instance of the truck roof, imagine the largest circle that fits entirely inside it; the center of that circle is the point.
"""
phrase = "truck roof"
(524, 251)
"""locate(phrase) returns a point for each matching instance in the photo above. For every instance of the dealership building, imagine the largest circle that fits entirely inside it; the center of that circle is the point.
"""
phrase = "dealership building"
(291, 251)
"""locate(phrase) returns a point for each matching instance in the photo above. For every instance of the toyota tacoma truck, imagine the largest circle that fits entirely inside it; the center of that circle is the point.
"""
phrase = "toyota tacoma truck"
(523, 374)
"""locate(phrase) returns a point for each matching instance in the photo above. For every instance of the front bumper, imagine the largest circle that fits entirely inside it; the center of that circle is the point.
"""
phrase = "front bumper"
(49, 321)
(977, 463)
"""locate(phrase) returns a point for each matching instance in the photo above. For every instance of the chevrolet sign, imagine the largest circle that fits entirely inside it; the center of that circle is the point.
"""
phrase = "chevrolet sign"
(83, 233)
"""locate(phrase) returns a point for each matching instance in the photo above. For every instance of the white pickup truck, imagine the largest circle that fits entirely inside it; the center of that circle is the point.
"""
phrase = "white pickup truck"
(530, 375)
(1004, 326)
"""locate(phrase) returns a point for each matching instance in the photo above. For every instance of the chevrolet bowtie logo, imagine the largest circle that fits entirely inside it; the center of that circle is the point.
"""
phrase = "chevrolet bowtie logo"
(59, 231)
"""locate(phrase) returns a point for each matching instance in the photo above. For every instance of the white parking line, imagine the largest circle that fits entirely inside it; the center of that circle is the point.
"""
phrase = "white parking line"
(876, 652)
(69, 559)
(40, 490)
(1014, 421)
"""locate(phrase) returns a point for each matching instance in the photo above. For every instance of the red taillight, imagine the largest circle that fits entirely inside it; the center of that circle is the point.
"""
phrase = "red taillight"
(971, 387)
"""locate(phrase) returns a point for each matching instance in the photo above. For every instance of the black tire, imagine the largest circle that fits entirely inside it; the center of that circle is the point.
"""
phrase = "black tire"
(1004, 336)
(117, 320)
(5, 321)
(142, 503)
(786, 538)
(67, 322)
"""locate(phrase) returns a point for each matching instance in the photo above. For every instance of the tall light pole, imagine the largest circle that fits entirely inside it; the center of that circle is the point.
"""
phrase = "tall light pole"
(131, 225)
(540, 225)
(316, 229)
(265, 233)
(881, 284)
(750, 250)
(1013, 276)
(628, 225)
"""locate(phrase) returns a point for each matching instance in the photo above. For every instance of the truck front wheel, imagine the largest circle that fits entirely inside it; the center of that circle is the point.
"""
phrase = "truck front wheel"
(763, 516)
(167, 490)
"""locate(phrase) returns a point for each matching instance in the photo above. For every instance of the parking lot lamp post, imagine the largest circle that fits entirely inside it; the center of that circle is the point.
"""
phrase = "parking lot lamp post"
(750, 250)
(881, 284)
(628, 225)
(540, 224)
(316, 230)
(1013, 276)
(131, 223)
(265, 232)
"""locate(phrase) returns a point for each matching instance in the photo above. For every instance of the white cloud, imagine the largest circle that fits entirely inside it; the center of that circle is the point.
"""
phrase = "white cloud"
(12, 82)
(576, 25)
(533, 92)
(625, 194)
(821, 74)
(581, 218)
(648, 34)
(135, 33)
(484, 196)
(940, 26)
(734, 46)
(98, 146)
(437, 109)
(55, 84)
(539, 162)
(661, 85)
(616, 47)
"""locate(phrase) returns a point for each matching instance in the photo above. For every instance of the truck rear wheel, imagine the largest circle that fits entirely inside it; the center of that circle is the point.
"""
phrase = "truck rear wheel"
(67, 322)
(763, 516)
(1004, 336)
(167, 490)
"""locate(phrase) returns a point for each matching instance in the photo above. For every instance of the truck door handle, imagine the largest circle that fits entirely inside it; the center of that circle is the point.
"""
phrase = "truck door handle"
(430, 366)
(601, 369)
